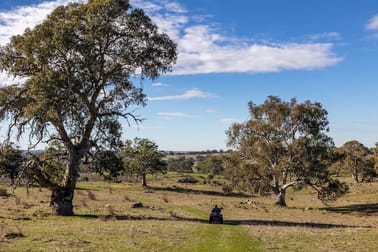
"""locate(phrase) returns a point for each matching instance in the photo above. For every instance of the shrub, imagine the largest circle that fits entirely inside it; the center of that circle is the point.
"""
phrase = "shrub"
(188, 179)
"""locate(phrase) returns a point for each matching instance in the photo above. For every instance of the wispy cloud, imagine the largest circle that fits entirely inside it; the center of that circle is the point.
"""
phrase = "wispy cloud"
(229, 121)
(211, 111)
(325, 35)
(146, 127)
(158, 84)
(372, 23)
(190, 94)
(176, 114)
(372, 27)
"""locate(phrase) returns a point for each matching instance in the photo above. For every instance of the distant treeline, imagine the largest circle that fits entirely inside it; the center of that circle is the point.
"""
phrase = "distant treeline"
(204, 152)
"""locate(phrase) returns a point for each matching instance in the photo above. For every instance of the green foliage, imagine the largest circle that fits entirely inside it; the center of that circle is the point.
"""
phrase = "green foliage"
(180, 164)
(329, 190)
(282, 144)
(10, 160)
(142, 157)
(357, 160)
(52, 162)
(244, 175)
(108, 164)
(212, 164)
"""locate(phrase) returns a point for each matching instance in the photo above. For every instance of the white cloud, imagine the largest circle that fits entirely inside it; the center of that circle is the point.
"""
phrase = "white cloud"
(229, 121)
(145, 127)
(205, 51)
(170, 16)
(190, 94)
(176, 114)
(325, 35)
(158, 84)
(16, 20)
(211, 111)
(203, 48)
(175, 7)
(372, 24)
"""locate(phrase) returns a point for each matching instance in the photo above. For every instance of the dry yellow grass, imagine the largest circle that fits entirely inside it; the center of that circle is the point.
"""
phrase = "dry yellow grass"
(174, 218)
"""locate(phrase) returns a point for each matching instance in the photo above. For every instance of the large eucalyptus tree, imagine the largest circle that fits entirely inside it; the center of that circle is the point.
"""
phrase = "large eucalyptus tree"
(283, 144)
(78, 64)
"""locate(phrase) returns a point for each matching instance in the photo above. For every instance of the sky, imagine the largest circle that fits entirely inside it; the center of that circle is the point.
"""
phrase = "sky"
(233, 52)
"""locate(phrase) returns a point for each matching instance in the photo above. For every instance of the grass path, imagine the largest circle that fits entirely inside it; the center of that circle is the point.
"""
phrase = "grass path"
(217, 237)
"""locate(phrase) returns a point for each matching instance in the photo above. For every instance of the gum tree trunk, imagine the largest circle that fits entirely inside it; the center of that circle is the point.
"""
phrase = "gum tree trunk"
(62, 196)
(280, 193)
(281, 198)
(144, 180)
(61, 201)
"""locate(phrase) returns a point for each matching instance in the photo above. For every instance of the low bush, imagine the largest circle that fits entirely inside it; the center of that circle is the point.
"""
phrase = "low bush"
(188, 179)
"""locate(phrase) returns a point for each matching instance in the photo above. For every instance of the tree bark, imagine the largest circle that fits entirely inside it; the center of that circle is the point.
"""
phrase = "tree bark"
(355, 176)
(281, 198)
(144, 180)
(62, 196)
(61, 201)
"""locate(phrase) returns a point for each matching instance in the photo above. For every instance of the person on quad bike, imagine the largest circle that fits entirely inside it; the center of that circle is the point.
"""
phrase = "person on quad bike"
(216, 215)
(216, 210)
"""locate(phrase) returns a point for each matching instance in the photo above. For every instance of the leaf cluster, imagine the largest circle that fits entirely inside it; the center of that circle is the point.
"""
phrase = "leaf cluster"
(10, 160)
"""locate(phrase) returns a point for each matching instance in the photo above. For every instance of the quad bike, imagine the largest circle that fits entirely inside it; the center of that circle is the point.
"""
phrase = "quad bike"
(216, 218)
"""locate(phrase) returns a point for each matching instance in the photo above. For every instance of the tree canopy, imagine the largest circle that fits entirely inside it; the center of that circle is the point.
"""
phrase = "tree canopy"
(212, 164)
(282, 144)
(10, 161)
(357, 160)
(78, 65)
(142, 157)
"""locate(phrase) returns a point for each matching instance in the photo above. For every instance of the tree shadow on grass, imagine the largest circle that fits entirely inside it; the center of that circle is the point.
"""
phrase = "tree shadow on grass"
(371, 208)
(140, 218)
(250, 222)
(277, 223)
(194, 191)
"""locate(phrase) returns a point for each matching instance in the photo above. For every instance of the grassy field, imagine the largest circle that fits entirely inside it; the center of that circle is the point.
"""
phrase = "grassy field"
(174, 218)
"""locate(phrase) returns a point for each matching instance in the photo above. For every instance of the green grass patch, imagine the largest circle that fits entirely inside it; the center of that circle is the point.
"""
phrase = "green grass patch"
(214, 237)
(201, 214)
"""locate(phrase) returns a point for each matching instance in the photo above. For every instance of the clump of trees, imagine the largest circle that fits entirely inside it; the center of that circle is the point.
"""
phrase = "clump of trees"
(77, 64)
(354, 159)
(211, 164)
(180, 164)
(282, 145)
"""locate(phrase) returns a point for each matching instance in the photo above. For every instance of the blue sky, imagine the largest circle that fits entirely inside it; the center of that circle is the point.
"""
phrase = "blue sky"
(232, 52)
